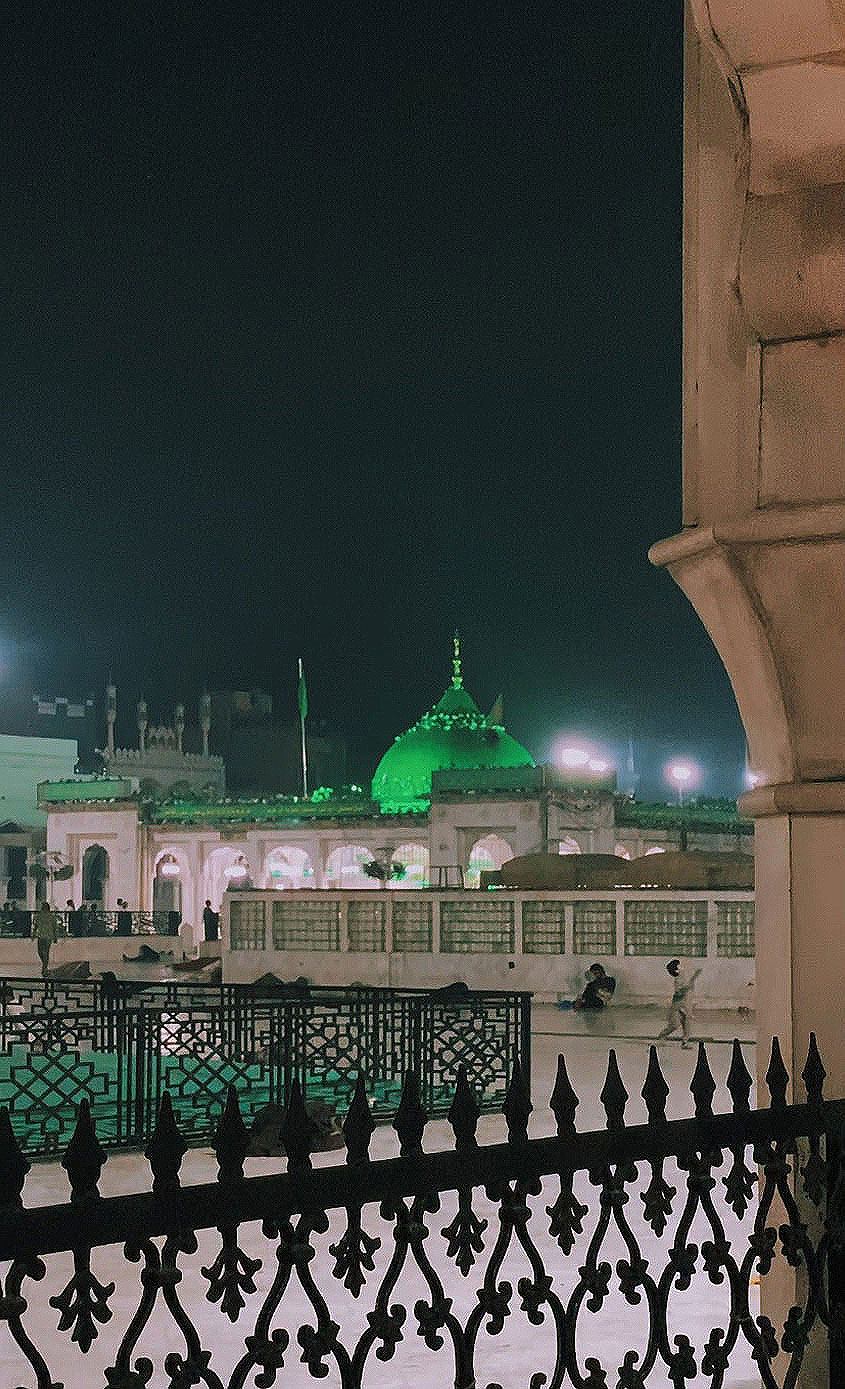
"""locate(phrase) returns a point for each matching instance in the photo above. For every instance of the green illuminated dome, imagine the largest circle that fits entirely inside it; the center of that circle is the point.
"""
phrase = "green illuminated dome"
(454, 733)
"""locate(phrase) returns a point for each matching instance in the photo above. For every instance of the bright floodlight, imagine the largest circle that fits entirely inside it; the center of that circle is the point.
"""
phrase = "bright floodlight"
(682, 775)
(574, 757)
(752, 779)
(599, 766)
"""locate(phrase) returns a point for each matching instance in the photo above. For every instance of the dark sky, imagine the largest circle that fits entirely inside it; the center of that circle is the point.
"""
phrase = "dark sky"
(328, 327)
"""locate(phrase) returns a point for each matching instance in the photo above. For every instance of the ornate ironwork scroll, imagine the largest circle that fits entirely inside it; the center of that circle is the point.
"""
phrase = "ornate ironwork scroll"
(550, 1235)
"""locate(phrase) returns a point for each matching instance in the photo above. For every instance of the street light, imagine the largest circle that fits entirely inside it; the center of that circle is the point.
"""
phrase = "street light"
(681, 774)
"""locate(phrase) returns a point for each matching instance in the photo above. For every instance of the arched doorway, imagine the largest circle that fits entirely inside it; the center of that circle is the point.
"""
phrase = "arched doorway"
(414, 860)
(345, 867)
(486, 855)
(288, 867)
(95, 872)
(225, 869)
(169, 884)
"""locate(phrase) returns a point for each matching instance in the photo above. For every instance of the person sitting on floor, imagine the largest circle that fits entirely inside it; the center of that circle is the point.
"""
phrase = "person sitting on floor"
(599, 990)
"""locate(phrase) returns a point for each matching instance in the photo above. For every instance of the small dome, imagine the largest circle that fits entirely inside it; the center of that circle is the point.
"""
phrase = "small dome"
(454, 733)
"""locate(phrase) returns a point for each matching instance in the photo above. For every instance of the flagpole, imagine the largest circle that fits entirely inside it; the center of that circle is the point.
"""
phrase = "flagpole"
(303, 709)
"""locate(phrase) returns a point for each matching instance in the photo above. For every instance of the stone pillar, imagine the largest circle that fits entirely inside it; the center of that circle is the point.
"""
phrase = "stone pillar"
(762, 555)
(763, 551)
(192, 899)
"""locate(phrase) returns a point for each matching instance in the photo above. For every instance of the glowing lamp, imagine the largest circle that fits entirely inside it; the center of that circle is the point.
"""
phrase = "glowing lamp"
(168, 867)
(572, 757)
(682, 775)
(236, 870)
(752, 779)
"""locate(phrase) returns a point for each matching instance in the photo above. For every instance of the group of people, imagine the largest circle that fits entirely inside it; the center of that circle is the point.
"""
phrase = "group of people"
(86, 919)
(601, 986)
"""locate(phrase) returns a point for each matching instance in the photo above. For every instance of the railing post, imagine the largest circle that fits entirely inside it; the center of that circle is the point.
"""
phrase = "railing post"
(524, 1002)
(420, 1059)
(138, 1060)
(835, 1155)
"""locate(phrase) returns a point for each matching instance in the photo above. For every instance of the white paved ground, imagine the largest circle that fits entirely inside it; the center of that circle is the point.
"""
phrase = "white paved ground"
(509, 1359)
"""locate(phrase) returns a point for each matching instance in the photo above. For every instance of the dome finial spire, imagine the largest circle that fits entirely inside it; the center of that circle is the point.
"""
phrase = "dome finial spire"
(457, 676)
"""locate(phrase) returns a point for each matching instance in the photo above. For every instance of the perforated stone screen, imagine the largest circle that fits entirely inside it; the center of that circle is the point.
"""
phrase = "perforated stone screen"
(666, 928)
(595, 928)
(248, 926)
(484, 927)
(735, 929)
(303, 925)
(543, 928)
(411, 925)
(365, 924)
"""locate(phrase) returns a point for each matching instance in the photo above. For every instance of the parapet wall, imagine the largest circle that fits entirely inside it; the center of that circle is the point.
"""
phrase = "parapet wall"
(541, 941)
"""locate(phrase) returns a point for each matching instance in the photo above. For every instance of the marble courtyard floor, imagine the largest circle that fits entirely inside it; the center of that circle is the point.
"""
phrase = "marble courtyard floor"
(508, 1359)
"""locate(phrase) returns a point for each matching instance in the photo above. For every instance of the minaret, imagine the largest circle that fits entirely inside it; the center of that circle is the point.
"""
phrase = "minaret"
(142, 724)
(457, 676)
(179, 724)
(205, 720)
(111, 715)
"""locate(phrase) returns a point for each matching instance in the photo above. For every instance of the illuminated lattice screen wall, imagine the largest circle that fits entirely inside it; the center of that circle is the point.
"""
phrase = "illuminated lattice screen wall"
(411, 925)
(735, 929)
(303, 925)
(365, 922)
(665, 928)
(595, 928)
(247, 923)
(543, 928)
(483, 928)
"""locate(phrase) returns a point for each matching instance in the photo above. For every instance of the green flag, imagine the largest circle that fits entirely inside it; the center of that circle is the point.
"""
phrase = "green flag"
(302, 693)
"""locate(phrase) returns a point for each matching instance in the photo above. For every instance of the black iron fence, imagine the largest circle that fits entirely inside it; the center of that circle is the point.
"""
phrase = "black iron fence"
(17, 922)
(629, 1255)
(122, 1050)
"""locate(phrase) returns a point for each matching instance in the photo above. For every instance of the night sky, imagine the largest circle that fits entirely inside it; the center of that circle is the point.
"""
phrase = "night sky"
(329, 327)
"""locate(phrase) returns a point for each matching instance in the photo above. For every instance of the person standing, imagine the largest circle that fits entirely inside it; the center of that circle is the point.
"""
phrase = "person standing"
(210, 921)
(45, 935)
(124, 918)
(681, 1007)
(75, 923)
